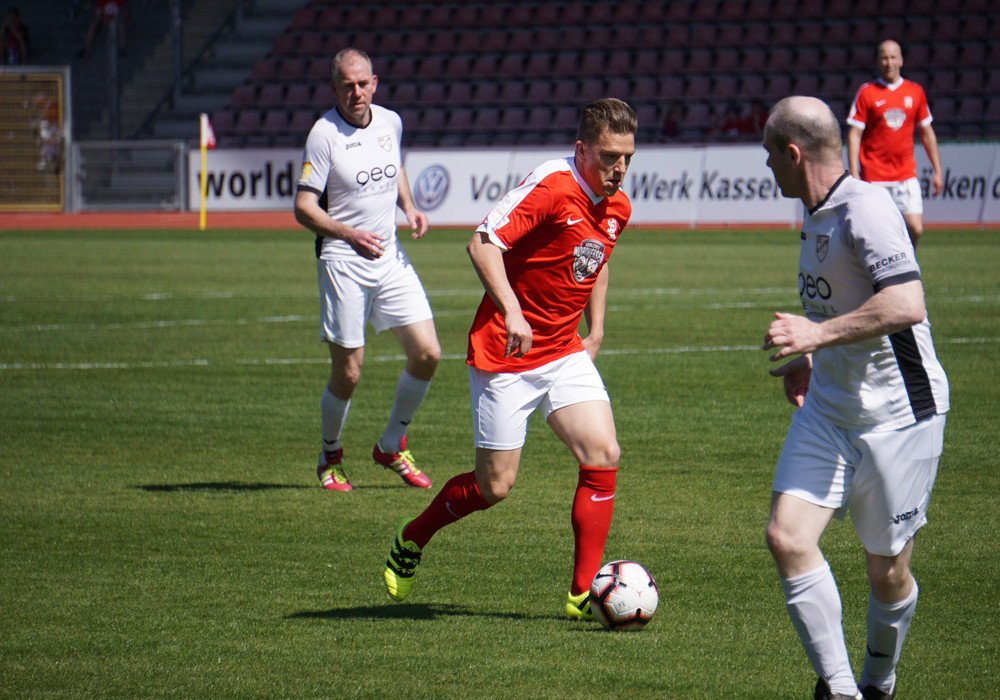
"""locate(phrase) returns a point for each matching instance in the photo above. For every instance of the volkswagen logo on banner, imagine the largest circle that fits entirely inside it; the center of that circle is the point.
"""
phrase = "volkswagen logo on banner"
(431, 188)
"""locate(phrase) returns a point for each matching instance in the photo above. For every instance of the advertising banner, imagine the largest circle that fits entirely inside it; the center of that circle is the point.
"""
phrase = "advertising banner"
(718, 185)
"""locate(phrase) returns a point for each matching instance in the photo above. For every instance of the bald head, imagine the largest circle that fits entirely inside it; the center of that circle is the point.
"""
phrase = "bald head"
(809, 124)
(890, 61)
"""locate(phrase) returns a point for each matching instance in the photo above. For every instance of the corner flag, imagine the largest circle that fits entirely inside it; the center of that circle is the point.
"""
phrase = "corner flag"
(207, 141)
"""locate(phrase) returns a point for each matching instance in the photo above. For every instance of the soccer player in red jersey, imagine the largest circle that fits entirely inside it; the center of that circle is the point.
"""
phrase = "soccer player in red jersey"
(542, 256)
(880, 137)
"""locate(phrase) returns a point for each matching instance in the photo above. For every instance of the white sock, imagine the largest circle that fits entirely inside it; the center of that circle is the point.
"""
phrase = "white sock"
(333, 413)
(888, 624)
(410, 393)
(813, 603)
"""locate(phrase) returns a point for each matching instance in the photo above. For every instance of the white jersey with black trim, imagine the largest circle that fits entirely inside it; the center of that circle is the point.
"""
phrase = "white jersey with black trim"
(357, 168)
(854, 243)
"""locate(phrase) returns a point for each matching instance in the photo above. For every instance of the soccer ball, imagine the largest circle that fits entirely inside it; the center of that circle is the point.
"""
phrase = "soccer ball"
(623, 596)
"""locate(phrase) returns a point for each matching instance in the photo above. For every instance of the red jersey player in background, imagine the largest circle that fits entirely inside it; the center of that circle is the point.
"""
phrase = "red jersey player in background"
(542, 256)
(880, 137)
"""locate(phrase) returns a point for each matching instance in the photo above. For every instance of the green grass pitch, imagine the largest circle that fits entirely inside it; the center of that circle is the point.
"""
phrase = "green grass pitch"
(163, 534)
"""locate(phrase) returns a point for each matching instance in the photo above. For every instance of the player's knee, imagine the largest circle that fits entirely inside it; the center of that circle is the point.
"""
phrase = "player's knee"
(782, 543)
(888, 577)
(496, 489)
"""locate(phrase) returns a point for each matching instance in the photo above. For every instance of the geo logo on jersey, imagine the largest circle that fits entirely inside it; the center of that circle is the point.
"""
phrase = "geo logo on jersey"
(431, 188)
(894, 118)
(587, 257)
(611, 227)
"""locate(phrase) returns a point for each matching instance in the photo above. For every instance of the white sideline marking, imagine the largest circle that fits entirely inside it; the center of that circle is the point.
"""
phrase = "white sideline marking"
(684, 349)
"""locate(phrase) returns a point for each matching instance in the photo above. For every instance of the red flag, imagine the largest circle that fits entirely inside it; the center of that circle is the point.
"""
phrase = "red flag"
(207, 133)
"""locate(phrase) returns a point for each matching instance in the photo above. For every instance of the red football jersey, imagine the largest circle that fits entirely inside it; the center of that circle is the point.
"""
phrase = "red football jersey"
(557, 235)
(888, 114)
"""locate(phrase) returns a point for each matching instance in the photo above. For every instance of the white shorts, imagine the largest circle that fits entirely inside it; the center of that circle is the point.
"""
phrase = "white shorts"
(905, 194)
(351, 293)
(502, 401)
(884, 478)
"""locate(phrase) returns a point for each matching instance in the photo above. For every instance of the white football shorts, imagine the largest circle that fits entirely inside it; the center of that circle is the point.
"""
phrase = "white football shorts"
(387, 293)
(906, 195)
(503, 401)
(883, 478)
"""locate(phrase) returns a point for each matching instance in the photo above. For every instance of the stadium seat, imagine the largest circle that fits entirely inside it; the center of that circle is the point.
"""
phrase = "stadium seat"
(972, 55)
(698, 87)
(301, 122)
(300, 95)
(244, 96)
(538, 91)
(483, 66)
(591, 89)
(460, 93)
(620, 88)
(510, 65)
(592, 63)
(571, 38)
(539, 118)
(539, 64)
(318, 70)
(304, 19)
(780, 59)
(519, 39)
(565, 91)
(753, 60)
(264, 69)
(944, 55)
(835, 59)
(403, 93)
(778, 86)
(670, 87)
(678, 11)
(751, 85)
(757, 35)
(432, 93)
(248, 121)
(645, 88)
(285, 44)
(970, 82)
(805, 84)
(678, 35)
(727, 60)
(512, 92)
(275, 121)
(699, 61)
(703, 34)
(271, 95)
(485, 92)
(730, 35)
(311, 44)
(291, 69)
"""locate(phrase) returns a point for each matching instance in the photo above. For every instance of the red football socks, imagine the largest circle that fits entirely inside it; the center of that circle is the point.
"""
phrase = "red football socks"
(591, 516)
(458, 498)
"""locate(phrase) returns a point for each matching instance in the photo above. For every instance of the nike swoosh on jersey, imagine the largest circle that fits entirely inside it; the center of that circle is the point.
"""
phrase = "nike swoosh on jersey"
(879, 103)
(598, 499)
(572, 221)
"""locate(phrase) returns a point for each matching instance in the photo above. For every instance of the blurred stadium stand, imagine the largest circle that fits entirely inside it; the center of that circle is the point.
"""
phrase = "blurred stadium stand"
(515, 71)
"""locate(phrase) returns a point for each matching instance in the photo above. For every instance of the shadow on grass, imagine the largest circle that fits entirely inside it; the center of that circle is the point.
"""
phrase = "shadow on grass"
(243, 486)
(216, 487)
(415, 611)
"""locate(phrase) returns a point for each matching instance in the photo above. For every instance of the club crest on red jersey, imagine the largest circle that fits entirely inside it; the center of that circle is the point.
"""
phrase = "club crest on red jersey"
(611, 228)
(587, 258)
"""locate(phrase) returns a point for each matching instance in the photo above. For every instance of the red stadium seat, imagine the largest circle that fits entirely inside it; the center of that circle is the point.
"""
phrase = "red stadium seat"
(264, 69)
(698, 87)
(275, 121)
(705, 11)
(751, 85)
(285, 45)
(511, 65)
(486, 119)
(404, 93)
(566, 90)
(244, 96)
(519, 39)
(513, 118)
(512, 92)
(302, 121)
(678, 11)
(778, 86)
(432, 93)
(248, 121)
(271, 95)
(805, 84)
(292, 69)
(757, 35)
(539, 64)
(727, 61)
(593, 63)
(699, 61)
(730, 34)
(538, 92)
(299, 95)
(645, 88)
(753, 60)
(670, 87)
(459, 93)
(485, 92)
(591, 89)
(620, 88)
(539, 118)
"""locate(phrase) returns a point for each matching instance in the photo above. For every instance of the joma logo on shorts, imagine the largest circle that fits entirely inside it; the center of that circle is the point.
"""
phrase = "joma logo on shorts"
(908, 515)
